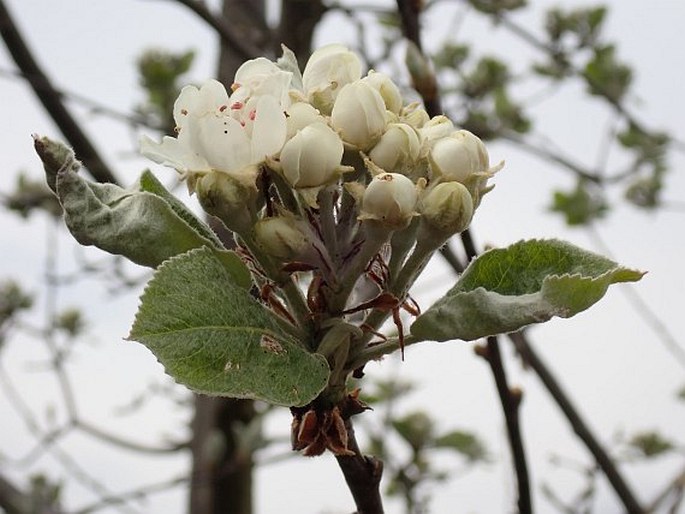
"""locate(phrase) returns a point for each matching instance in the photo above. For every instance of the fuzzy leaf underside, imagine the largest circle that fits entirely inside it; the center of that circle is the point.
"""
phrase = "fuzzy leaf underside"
(149, 183)
(503, 290)
(213, 337)
(145, 223)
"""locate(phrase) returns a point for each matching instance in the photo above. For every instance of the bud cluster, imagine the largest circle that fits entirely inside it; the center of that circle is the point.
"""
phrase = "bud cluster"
(326, 172)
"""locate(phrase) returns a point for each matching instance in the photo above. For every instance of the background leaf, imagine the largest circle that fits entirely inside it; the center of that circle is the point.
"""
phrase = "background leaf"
(506, 289)
(212, 336)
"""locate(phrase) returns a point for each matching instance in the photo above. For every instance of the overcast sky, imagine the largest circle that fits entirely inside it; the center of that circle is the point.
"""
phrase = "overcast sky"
(608, 358)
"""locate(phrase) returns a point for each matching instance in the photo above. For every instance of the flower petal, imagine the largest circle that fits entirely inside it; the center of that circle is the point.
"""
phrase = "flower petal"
(223, 142)
(171, 152)
(269, 129)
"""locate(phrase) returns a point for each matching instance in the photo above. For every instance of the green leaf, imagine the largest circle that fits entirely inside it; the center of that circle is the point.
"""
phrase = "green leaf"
(465, 443)
(650, 444)
(212, 336)
(606, 76)
(506, 289)
(415, 428)
(145, 223)
(584, 204)
(149, 183)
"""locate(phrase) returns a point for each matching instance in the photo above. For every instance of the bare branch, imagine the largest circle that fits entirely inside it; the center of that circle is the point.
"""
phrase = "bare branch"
(674, 487)
(243, 48)
(579, 426)
(510, 400)
(135, 494)
(125, 443)
(363, 476)
(51, 99)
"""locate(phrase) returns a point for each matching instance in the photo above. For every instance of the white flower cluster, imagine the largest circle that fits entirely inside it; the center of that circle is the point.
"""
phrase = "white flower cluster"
(311, 129)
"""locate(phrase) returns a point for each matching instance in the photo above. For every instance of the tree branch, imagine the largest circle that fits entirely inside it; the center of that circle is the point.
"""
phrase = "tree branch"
(296, 28)
(363, 476)
(510, 403)
(579, 426)
(409, 13)
(243, 48)
(581, 429)
(510, 400)
(674, 487)
(52, 99)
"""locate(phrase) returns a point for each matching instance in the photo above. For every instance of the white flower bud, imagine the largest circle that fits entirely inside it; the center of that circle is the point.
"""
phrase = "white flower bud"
(359, 115)
(436, 128)
(386, 87)
(398, 148)
(328, 70)
(415, 115)
(448, 208)
(312, 156)
(299, 115)
(280, 237)
(458, 157)
(391, 199)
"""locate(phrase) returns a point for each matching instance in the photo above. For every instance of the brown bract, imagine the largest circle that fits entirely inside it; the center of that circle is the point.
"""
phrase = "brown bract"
(315, 430)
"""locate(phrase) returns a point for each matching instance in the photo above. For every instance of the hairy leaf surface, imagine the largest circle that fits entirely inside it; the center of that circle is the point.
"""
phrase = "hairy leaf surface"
(529, 282)
(213, 337)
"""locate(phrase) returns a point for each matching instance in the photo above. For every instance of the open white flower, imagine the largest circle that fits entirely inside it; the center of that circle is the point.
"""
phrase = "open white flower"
(261, 77)
(217, 133)
(329, 69)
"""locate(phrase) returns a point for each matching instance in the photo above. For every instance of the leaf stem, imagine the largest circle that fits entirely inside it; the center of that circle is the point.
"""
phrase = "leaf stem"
(377, 351)
(293, 295)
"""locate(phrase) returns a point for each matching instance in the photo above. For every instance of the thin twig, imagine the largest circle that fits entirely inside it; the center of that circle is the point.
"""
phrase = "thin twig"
(411, 26)
(510, 401)
(579, 426)
(643, 309)
(674, 486)
(94, 106)
(125, 443)
(135, 494)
